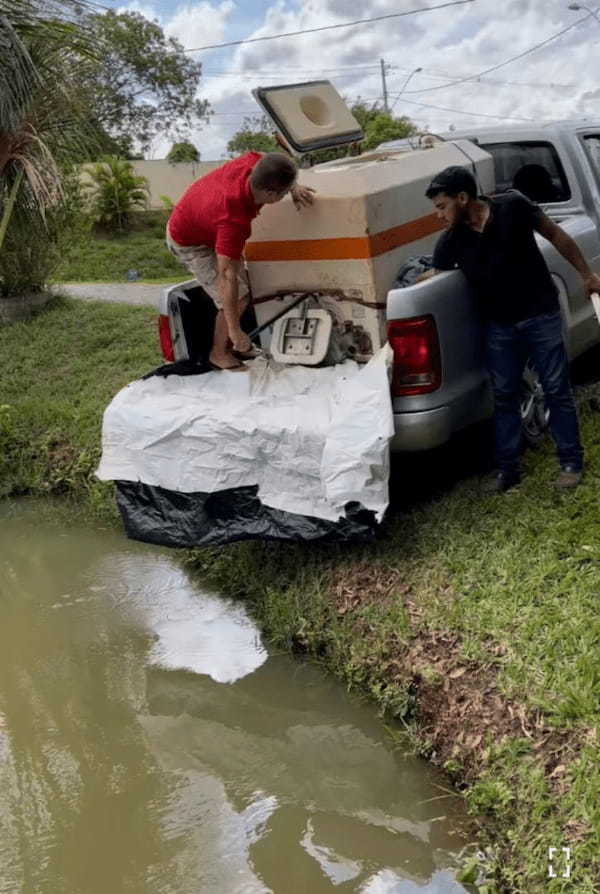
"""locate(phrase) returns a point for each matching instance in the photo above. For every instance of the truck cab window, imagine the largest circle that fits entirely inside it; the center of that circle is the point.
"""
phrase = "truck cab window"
(533, 168)
(592, 144)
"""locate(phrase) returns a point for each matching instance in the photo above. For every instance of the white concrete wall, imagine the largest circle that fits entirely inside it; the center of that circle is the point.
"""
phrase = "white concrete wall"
(171, 180)
(168, 179)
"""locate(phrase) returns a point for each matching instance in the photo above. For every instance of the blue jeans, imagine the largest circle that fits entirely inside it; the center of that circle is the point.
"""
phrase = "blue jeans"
(507, 349)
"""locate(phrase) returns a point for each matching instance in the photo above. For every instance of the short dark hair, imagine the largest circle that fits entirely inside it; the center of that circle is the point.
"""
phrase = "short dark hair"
(452, 181)
(274, 172)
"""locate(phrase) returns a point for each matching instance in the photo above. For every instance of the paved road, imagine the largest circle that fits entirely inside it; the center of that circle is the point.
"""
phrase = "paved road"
(124, 292)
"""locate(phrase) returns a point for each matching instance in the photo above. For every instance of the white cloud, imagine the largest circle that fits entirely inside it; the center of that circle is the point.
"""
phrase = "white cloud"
(456, 41)
(200, 24)
(144, 9)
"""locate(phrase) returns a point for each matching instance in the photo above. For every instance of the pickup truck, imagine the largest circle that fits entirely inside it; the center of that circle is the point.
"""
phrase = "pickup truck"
(558, 166)
(440, 385)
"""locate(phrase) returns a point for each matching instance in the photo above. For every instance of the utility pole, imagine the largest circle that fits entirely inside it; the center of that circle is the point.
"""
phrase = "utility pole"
(384, 87)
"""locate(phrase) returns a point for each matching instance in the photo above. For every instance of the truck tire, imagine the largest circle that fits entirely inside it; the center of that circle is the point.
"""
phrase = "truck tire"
(534, 413)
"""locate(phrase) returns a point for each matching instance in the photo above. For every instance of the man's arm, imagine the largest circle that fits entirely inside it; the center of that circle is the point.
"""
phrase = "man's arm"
(568, 248)
(443, 258)
(227, 283)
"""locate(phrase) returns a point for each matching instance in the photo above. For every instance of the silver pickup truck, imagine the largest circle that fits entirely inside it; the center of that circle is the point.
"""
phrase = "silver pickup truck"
(558, 166)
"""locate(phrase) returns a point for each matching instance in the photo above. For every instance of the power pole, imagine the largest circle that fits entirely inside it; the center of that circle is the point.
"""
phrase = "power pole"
(384, 88)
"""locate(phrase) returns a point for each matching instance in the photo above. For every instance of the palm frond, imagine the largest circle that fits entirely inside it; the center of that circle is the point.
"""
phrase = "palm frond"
(37, 162)
(18, 76)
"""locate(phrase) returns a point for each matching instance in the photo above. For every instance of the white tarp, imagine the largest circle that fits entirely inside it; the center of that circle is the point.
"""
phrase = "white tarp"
(311, 439)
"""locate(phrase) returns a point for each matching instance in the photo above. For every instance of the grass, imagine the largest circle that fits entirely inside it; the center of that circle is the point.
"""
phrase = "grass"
(473, 619)
(59, 372)
(105, 257)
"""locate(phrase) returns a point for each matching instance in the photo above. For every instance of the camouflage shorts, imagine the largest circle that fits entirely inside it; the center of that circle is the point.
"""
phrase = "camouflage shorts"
(201, 260)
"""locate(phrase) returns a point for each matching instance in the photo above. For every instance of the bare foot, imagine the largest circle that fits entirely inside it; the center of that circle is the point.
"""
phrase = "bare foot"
(226, 362)
(247, 355)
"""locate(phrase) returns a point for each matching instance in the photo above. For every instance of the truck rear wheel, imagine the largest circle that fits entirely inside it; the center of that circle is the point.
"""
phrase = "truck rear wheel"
(534, 413)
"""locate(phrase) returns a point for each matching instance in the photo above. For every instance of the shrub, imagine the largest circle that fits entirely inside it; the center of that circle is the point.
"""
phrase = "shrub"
(167, 203)
(35, 244)
(114, 192)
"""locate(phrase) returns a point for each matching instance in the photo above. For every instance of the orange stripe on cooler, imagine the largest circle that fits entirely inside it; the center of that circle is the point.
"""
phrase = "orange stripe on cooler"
(346, 248)
(405, 233)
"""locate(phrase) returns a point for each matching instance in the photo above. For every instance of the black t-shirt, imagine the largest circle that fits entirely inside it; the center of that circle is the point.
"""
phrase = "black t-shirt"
(503, 264)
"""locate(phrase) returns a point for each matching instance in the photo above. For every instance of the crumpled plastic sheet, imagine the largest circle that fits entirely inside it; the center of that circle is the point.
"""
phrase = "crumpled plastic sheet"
(411, 270)
(310, 442)
(168, 518)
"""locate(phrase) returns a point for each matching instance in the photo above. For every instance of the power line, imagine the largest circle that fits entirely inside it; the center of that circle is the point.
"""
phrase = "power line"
(463, 112)
(393, 15)
(348, 71)
(261, 71)
(256, 113)
(92, 4)
(506, 62)
(438, 75)
(498, 83)
(269, 77)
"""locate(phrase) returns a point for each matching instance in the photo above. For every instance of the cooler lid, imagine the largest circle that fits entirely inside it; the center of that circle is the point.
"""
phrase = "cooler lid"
(309, 116)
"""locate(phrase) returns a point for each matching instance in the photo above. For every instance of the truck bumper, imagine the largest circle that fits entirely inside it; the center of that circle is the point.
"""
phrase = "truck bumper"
(421, 430)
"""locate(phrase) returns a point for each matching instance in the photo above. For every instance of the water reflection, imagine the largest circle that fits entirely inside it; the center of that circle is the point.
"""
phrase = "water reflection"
(147, 745)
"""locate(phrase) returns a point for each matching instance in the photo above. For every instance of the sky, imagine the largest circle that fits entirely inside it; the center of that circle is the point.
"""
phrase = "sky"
(559, 80)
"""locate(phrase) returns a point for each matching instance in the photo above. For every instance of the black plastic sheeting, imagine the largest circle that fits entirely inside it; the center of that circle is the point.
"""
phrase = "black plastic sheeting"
(168, 518)
(411, 270)
(179, 368)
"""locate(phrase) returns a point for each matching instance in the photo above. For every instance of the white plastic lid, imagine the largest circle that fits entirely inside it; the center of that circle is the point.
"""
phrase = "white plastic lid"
(310, 115)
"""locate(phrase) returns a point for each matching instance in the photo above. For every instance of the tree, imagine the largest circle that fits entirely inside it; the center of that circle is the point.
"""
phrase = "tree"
(43, 130)
(142, 84)
(181, 152)
(114, 192)
(255, 135)
(379, 127)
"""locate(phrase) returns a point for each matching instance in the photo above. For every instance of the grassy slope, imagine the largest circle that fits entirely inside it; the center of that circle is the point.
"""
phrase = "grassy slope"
(107, 258)
(59, 373)
(476, 616)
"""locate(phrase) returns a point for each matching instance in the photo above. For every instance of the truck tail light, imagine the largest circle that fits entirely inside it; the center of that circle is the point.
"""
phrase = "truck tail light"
(166, 342)
(417, 362)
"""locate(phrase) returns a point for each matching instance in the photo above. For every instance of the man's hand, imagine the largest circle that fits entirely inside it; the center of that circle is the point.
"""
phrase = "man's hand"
(592, 283)
(302, 196)
(240, 341)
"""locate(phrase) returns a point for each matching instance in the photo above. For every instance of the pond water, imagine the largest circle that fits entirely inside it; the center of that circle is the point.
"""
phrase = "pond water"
(150, 743)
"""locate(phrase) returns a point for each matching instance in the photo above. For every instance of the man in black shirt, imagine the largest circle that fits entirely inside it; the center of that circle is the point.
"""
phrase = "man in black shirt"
(492, 240)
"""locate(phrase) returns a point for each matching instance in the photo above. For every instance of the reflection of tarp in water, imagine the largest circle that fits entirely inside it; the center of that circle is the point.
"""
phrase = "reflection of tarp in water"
(276, 453)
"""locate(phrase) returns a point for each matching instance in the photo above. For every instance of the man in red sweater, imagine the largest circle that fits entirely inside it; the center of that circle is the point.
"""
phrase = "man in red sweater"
(209, 227)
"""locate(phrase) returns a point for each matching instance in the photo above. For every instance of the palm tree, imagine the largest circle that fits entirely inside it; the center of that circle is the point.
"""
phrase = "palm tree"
(114, 192)
(43, 128)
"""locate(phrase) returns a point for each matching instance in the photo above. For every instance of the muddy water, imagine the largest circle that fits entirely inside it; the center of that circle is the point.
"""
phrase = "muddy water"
(149, 743)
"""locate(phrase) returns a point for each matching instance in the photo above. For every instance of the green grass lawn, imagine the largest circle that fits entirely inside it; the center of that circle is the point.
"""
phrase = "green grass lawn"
(102, 257)
(474, 619)
(60, 372)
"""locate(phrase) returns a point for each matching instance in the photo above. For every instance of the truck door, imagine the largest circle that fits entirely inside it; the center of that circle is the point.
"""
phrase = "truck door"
(591, 145)
(535, 168)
